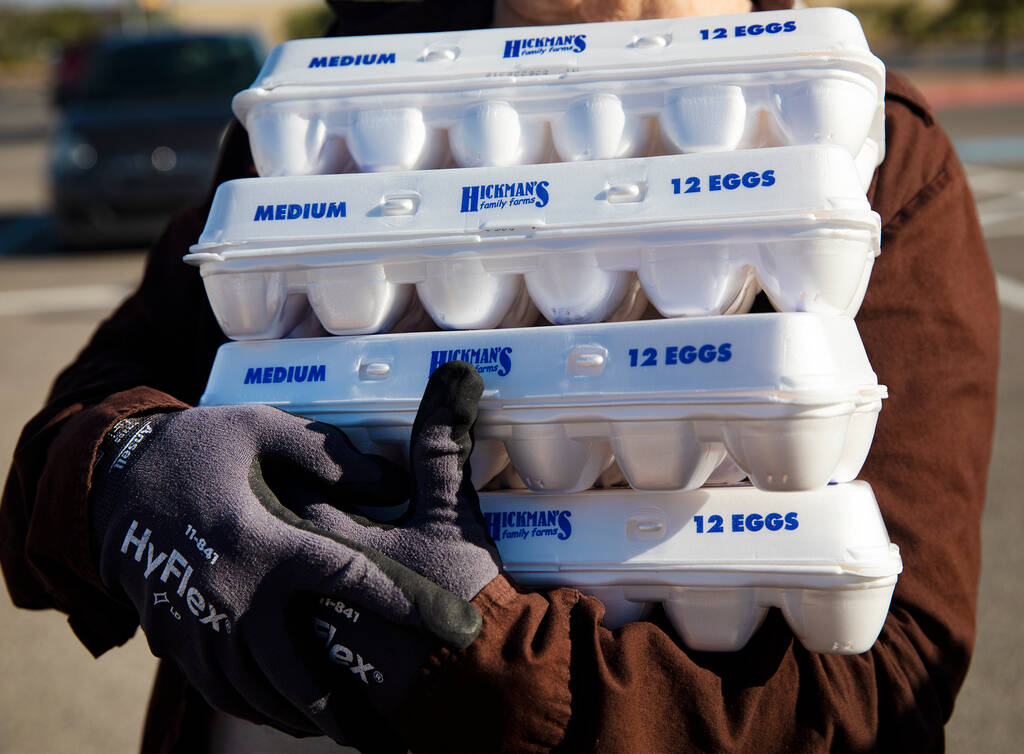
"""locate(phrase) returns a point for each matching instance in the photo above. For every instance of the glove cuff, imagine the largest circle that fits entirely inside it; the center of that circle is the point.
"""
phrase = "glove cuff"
(117, 445)
(116, 451)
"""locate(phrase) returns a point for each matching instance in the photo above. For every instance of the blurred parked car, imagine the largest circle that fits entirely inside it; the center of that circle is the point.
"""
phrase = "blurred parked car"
(69, 70)
(138, 135)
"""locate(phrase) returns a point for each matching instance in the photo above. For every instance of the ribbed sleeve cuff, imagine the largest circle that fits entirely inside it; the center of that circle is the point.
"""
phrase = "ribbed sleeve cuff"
(59, 540)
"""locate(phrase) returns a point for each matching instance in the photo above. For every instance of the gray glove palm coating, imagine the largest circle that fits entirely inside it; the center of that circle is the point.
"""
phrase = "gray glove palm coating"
(212, 521)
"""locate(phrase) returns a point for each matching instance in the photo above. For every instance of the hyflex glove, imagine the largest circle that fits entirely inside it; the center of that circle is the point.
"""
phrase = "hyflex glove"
(214, 521)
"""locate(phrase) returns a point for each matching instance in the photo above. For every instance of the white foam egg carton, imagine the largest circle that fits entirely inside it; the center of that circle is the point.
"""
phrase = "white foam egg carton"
(716, 558)
(789, 400)
(485, 247)
(512, 96)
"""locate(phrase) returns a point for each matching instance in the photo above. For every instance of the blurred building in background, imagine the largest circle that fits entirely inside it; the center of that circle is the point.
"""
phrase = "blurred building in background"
(33, 35)
(273, 20)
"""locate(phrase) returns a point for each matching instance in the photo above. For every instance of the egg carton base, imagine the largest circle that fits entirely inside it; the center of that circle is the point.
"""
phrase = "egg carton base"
(828, 276)
(776, 454)
(830, 621)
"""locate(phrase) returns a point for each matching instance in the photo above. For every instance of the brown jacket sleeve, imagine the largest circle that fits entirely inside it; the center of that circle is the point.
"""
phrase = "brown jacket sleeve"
(546, 674)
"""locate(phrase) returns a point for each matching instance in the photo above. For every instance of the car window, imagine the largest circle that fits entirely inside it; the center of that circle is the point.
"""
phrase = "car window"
(171, 68)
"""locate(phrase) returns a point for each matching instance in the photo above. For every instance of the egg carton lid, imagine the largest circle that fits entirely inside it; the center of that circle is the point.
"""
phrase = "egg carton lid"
(732, 535)
(487, 58)
(424, 214)
(742, 366)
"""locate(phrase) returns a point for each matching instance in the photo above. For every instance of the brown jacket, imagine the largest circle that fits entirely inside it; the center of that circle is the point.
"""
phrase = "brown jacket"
(545, 673)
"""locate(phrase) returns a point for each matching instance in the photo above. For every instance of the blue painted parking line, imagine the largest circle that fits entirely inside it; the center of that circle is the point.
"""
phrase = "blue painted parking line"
(991, 151)
(18, 233)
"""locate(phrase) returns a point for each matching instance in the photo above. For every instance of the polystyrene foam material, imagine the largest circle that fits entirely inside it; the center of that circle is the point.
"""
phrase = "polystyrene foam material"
(492, 97)
(716, 558)
(701, 233)
(788, 399)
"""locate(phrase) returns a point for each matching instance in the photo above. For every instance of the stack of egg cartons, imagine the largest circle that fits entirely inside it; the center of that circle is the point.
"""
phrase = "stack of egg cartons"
(593, 168)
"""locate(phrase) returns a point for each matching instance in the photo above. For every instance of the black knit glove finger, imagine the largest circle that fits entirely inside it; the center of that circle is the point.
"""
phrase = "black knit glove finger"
(442, 536)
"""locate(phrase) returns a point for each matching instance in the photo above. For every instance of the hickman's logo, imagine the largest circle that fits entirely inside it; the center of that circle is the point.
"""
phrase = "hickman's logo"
(515, 48)
(497, 360)
(502, 195)
(292, 373)
(526, 524)
(316, 210)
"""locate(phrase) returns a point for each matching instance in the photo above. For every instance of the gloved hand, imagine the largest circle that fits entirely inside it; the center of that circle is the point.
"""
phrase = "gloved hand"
(215, 521)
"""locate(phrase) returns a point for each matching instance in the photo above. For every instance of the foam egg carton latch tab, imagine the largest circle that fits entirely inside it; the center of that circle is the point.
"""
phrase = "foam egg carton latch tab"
(578, 92)
(480, 248)
(789, 400)
(715, 558)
